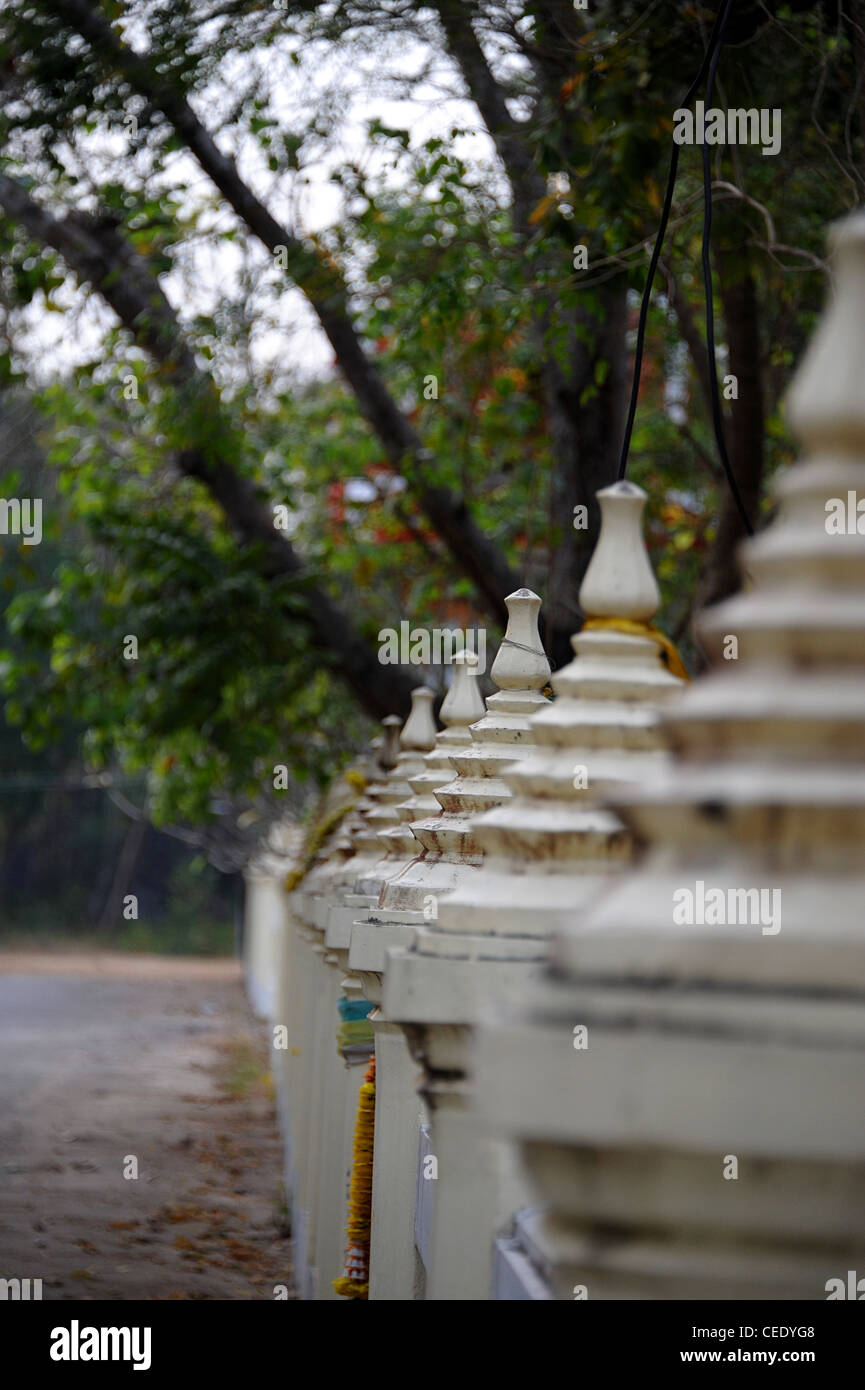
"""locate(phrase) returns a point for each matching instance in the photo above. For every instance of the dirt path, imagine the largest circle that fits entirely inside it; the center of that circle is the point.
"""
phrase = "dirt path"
(105, 1059)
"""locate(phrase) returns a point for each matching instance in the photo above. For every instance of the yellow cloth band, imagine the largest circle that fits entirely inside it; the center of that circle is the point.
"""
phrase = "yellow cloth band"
(635, 628)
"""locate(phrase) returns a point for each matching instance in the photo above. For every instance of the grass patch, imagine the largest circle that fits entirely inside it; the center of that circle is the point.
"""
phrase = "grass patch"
(193, 938)
(244, 1071)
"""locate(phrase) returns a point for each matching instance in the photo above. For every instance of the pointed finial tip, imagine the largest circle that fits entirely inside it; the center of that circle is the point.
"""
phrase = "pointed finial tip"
(847, 233)
(623, 488)
(825, 403)
(464, 657)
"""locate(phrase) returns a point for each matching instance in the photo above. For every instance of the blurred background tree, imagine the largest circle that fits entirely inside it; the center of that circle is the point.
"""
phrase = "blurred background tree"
(296, 346)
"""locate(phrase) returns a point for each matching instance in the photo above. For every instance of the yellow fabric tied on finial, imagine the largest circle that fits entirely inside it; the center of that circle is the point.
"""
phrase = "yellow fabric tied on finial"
(635, 628)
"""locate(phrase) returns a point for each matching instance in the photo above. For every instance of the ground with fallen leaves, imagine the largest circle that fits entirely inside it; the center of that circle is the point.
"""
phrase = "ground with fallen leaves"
(109, 1057)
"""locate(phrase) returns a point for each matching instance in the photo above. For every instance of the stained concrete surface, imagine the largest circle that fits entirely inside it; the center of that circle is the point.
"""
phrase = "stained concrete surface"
(105, 1058)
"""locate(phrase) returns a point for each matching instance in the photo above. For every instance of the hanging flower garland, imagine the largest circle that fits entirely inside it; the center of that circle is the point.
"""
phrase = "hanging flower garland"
(355, 1281)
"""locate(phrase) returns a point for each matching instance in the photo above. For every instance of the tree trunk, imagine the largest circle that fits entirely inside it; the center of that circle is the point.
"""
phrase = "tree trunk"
(586, 440)
(744, 427)
(112, 911)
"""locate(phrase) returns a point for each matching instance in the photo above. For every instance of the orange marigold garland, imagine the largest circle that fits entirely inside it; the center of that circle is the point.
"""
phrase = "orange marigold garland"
(355, 1281)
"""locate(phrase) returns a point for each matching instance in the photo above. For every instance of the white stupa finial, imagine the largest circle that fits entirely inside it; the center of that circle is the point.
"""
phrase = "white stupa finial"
(521, 663)
(419, 731)
(463, 704)
(389, 751)
(619, 581)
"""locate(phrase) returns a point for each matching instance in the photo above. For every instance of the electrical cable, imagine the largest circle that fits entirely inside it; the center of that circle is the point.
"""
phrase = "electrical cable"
(708, 65)
(659, 242)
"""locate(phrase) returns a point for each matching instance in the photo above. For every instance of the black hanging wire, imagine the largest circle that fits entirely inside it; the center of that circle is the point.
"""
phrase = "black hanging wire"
(709, 64)
(659, 240)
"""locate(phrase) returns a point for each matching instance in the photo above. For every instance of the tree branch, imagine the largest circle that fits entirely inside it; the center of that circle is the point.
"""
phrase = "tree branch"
(681, 307)
(98, 254)
(527, 183)
(320, 280)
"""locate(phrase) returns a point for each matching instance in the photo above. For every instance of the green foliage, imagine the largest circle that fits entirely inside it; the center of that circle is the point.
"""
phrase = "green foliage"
(444, 286)
(223, 685)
